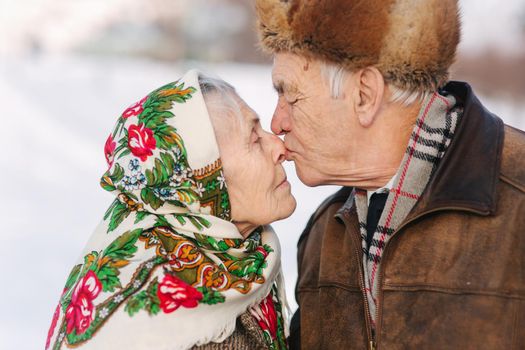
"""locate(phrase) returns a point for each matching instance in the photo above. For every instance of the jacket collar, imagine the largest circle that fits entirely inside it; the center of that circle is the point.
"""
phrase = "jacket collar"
(467, 175)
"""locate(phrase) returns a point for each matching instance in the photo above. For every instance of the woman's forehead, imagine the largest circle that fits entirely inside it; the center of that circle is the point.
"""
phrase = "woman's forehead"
(231, 115)
(248, 116)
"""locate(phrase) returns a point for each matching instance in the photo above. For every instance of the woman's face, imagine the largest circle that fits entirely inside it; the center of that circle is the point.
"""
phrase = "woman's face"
(252, 163)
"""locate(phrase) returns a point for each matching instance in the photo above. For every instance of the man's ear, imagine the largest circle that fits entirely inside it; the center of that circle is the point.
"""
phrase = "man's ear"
(370, 88)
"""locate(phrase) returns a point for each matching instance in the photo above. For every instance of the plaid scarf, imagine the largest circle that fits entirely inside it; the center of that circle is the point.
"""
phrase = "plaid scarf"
(432, 133)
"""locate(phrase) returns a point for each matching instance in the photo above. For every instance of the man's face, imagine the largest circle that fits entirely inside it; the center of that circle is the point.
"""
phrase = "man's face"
(318, 129)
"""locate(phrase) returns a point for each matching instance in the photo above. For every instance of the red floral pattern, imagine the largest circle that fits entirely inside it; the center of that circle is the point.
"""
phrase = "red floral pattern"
(263, 251)
(109, 149)
(53, 325)
(186, 255)
(141, 141)
(134, 109)
(80, 311)
(98, 291)
(269, 320)
(174, 292)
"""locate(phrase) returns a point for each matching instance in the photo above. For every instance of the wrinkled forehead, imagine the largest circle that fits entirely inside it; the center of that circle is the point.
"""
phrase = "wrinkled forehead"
(248, 116)
(286, 65)
(230, 114)
(291, 71)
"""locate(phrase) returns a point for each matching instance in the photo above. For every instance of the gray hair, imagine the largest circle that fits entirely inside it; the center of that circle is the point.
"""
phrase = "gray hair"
(335, 76)
(221, 100)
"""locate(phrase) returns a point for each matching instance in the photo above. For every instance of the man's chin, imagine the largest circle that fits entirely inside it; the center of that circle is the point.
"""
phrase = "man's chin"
(307, 177)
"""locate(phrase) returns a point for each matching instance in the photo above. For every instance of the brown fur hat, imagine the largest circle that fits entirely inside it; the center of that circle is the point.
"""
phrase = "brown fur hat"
(412, 42)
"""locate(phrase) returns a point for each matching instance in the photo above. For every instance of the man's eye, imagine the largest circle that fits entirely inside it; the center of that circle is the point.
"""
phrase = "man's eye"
(255, 137)
(292, 100)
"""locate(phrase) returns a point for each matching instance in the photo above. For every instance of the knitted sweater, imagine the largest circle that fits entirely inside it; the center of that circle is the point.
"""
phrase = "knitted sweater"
(247, 335)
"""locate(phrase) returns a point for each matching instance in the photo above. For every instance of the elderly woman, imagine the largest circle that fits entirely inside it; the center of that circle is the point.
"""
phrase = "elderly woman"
(182, 258)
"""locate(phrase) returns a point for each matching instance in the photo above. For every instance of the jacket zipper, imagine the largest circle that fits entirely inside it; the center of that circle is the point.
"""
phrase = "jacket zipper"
(368, 321)
(379, 307)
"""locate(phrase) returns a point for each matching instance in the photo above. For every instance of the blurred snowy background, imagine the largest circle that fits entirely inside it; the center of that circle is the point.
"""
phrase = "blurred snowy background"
(69, 68)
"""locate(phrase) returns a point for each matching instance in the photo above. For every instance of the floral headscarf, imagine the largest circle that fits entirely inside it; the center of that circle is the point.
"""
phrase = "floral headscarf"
(166, 269)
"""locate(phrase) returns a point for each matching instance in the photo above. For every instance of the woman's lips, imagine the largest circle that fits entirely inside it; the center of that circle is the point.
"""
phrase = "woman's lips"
(288, 154)
(285, 181)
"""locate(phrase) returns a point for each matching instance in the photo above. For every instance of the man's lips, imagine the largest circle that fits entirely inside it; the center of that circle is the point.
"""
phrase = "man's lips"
(288, 154)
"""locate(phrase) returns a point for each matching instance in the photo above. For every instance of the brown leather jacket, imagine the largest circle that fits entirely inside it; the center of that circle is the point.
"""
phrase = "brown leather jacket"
(453, 274)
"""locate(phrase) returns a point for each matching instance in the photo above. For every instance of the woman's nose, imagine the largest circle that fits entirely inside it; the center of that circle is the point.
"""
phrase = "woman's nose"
(277, 149)
(281, 118)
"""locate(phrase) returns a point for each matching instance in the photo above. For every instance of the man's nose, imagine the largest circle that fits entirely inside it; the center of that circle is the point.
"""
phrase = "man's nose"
(281, 118)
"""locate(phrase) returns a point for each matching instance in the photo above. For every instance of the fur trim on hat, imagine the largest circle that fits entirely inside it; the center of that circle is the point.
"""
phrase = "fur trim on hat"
(413, 43)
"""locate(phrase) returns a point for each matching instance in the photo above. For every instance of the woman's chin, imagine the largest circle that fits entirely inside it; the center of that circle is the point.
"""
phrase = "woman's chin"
(287, 208)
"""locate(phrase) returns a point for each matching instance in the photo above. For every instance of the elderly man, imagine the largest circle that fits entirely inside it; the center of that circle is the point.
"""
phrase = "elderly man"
(424, 245)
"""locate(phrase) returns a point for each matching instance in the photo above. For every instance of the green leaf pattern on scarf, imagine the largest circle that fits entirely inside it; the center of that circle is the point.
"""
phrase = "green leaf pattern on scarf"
(181, 257)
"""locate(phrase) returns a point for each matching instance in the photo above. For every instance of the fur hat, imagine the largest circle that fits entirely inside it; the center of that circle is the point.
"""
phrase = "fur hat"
(412, 42)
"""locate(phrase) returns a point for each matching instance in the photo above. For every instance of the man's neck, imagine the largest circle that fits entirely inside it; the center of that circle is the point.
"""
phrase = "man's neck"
(383, 146)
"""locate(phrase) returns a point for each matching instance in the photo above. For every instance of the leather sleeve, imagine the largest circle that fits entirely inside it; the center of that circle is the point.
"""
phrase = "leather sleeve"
(294, 340)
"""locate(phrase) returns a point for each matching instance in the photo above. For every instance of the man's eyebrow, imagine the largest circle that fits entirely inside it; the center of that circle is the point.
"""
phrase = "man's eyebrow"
(279, 86)
(254, 120)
